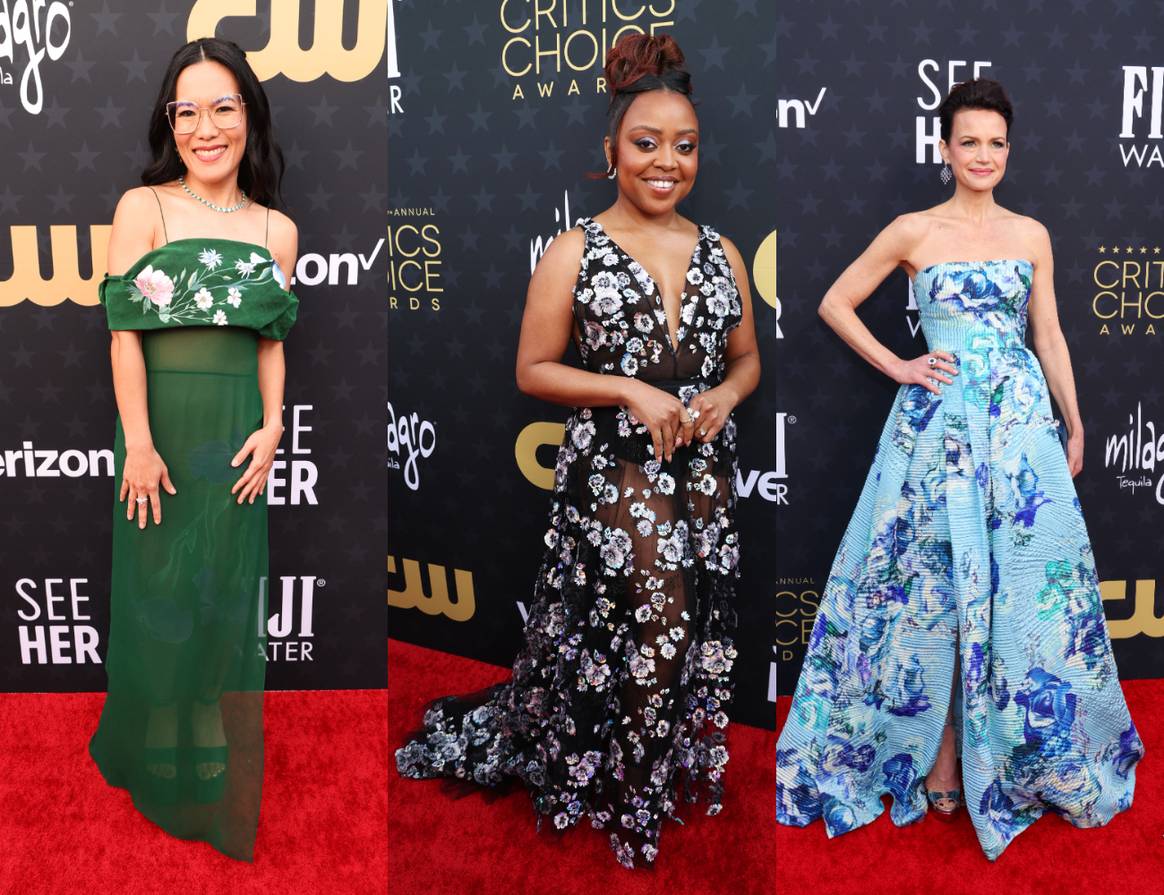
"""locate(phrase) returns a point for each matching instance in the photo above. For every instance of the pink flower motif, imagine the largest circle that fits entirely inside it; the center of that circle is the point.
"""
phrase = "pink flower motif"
(155, 285)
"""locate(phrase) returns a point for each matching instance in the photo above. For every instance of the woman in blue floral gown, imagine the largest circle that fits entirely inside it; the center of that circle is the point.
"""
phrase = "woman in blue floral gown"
(962, 616)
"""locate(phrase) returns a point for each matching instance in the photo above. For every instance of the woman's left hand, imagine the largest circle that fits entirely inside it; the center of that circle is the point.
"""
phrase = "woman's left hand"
(1075, 452)
(711, 410)
(260, 447)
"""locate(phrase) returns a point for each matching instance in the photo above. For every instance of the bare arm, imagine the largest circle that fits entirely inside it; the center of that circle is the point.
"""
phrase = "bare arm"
(546, 327)
(133, 234)
(838, 308)
(261, 445)
(1051, 347)
(742, 358)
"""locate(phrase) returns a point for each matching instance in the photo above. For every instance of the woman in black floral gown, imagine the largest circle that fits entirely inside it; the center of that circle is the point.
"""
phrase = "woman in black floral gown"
(617, 705)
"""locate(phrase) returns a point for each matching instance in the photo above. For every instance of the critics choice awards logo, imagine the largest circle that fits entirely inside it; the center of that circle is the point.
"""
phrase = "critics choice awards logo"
(545, 43)
(1128, 297)
(1141, 125)
(415, 260)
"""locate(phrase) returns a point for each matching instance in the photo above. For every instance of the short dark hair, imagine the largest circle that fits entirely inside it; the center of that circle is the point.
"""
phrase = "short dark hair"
(260, 175)
(981, 93)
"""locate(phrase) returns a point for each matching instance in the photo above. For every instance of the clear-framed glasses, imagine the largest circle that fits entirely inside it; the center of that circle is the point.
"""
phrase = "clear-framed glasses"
(225, 112)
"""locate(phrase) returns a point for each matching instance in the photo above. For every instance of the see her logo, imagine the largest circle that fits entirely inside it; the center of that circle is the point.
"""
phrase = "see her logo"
(22, 29)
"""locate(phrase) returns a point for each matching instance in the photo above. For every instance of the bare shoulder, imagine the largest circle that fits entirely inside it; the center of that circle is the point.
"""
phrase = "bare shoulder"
(1031, 229)
(563, 254)
(137, 207)
(283, 231)
(733, 253)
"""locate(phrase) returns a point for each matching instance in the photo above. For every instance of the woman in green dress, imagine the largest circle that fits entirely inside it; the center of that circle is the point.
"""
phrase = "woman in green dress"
(197, 302)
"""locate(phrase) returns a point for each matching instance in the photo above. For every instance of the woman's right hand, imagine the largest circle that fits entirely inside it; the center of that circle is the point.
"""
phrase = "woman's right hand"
(920, 371)
(144, 471)
(664, 415)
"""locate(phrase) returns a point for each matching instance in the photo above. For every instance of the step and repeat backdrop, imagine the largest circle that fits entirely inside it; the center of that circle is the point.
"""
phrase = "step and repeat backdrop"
(856, 111)
(496, 114)
(77, 82)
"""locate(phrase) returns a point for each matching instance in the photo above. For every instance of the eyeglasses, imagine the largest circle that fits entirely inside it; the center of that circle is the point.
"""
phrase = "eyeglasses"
(225, 112)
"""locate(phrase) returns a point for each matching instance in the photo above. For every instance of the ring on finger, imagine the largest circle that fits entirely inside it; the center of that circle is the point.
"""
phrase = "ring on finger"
(142, 500)
(932, 361)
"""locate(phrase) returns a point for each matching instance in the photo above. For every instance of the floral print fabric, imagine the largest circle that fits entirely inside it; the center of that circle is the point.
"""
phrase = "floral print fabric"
(618, 703)
(201, 282)
(965, 574)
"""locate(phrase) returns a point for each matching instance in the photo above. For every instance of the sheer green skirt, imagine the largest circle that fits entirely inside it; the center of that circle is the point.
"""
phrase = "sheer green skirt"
(182, 726)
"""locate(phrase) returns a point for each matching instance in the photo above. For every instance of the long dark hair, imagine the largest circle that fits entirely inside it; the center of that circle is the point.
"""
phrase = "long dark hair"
(260, 175)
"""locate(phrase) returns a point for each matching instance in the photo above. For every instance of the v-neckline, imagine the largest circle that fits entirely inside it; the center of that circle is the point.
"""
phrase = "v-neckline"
(675, 345)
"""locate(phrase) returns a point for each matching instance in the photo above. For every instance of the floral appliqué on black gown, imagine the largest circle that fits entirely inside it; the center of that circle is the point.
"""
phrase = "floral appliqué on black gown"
(617, 706)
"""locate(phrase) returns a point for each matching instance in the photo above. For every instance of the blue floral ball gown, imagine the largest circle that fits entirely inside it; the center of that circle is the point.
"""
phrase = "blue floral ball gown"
(966, 560)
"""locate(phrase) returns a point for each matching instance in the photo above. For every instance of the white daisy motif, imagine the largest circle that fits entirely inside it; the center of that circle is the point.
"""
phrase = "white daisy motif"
(210, 259)
(203, 299)
(233, 297)
(219, 317)
(246, 268)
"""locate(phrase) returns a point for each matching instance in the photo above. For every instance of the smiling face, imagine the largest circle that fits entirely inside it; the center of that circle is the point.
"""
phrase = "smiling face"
(978, 148)
(211, 154)
(658, 151)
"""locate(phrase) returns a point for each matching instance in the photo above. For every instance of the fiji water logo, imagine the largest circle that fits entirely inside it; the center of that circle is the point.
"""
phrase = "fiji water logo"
(1138, 455)
(28, 35)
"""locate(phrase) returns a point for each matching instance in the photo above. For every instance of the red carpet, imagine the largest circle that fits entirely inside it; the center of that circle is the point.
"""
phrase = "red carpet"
(63, 830)
(470, 844)
(932, 858)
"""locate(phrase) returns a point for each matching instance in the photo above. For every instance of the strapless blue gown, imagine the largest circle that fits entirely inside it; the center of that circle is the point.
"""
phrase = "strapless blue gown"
(967, 554)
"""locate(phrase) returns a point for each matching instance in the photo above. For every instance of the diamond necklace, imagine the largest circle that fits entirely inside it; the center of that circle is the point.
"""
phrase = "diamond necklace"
(219, 208)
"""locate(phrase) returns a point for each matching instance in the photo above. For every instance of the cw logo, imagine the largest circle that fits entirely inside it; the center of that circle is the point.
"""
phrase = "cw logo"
(283, 54)
(437, 602)
(66, 282)
(1144, 619)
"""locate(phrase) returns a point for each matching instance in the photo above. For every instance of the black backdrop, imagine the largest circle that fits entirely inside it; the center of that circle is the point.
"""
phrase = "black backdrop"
(857, 88)
(487, 163)
(67, 154)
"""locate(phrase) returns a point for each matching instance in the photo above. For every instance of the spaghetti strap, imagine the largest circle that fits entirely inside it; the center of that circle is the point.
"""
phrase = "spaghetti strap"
(267, 229)
(158, 199)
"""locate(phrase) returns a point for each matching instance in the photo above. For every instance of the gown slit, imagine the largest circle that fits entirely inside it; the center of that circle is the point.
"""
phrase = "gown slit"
(964, 584)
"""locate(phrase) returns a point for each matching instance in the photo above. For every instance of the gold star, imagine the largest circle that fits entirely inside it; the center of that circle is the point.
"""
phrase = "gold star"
(1115, 250)
(1143, 250)
(1103, 250)
(1128, 250)
(1156, 250)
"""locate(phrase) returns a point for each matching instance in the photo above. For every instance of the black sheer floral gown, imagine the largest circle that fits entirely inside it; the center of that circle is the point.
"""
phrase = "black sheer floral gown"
(616, 710)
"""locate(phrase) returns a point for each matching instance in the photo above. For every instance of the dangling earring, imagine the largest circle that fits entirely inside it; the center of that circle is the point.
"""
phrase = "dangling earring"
(611, 171)
(946, 174)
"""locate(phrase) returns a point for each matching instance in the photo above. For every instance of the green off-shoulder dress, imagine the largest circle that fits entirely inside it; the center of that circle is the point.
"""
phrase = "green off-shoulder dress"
(187, 632)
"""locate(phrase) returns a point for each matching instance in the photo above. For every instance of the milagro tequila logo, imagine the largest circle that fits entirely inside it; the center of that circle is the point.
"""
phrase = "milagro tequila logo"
(28, 33)
(1137, 455)
(540, 244)
(545, 40)
(928, 129)
(1143, 111)
(410, 439)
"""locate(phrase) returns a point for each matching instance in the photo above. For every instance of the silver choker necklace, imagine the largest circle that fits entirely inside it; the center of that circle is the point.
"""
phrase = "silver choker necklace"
(243, 203)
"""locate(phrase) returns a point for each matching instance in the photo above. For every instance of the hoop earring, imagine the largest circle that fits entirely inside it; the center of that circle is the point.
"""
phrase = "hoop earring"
(946, 174)
(611, 171)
